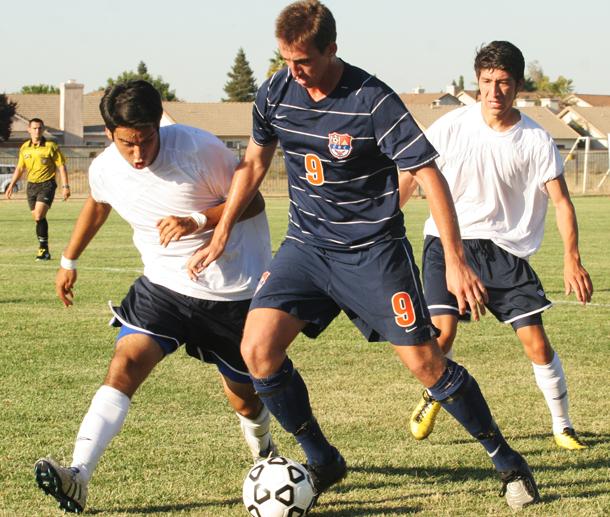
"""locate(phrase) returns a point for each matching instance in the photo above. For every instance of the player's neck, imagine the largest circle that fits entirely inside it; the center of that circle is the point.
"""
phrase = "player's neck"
(501, 121)
(329, 81)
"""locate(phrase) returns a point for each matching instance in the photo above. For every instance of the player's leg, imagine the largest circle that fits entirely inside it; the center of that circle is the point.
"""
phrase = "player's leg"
(253, 417)
(459, 394)
(550, 378)
(40, 201)
(423, 417)
(135, 356)
(287, 303)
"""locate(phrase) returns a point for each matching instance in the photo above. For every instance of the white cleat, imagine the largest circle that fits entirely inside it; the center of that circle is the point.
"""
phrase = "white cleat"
(64, 484)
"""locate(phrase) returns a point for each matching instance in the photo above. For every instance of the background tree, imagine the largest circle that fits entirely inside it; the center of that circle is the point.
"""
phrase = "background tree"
(7, 111)
(167, 94)
(241, 86)
(39, 88)
(275, 63)
(535, 80)
(459, 84)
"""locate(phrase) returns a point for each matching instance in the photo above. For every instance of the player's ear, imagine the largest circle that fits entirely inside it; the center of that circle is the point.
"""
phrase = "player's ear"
(108, 134)
(331, 50)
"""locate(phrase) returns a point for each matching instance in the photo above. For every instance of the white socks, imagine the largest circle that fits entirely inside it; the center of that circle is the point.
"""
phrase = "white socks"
(101, 424)
(552, 382)
(257, 435)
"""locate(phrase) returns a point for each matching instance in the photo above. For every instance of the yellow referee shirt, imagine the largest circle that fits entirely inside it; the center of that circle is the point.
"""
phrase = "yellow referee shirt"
(41, 161)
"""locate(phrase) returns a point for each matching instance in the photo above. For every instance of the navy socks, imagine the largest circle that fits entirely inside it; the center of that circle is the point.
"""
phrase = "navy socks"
(460, 395)
(285, 395)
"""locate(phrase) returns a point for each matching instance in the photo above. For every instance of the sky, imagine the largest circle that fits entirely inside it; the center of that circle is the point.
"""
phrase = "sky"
(192, 44)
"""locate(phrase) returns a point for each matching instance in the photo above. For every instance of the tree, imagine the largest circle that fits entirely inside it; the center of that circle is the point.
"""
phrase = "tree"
(162, 87)
(241, 86)
(459, 85)
(7, 112)
(535, 80)
(276, 63)
(39, 88)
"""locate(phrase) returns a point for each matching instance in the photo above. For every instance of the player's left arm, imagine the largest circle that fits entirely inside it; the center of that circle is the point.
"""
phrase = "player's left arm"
(64, 183)
(575, 277)
(462, 281)
(173, 227)
(407, 183)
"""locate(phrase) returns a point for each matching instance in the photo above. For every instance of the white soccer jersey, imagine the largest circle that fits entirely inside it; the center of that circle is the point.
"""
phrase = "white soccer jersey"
(497, 179)
(192, 172)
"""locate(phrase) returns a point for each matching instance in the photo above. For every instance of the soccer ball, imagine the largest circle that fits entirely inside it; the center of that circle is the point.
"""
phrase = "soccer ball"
(278, 487)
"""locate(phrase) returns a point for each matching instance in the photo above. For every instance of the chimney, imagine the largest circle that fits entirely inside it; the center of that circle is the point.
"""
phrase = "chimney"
(71, 112)
(451, 89)
(418, 89)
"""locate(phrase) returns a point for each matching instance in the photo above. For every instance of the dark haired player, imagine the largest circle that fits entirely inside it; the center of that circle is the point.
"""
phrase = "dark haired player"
(347, 139)
(147, 174)
(502, 168)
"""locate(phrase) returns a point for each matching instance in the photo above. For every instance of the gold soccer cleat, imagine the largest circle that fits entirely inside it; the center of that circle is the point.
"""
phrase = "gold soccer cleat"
(568, 439)
(424, 416)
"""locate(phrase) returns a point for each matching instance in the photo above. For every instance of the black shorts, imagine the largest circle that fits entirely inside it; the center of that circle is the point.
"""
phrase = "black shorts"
(43, 192)
(211, 330)
(378, 288)
(515, 293)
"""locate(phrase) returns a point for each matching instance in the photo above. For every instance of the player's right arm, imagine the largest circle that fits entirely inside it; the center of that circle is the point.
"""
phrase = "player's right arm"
(91, 218)
(244, 187)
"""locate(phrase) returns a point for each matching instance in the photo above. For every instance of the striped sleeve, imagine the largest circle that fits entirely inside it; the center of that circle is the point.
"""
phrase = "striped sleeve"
(262, 130)
(398, 135)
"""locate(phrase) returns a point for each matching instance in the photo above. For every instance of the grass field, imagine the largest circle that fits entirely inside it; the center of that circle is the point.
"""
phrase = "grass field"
(181, 452)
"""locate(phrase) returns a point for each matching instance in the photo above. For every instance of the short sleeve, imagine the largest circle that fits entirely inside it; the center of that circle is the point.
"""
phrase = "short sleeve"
(219, 164)
(550, 164)
(58, 157)
(398, 135)
(21, 162)
(262, 131)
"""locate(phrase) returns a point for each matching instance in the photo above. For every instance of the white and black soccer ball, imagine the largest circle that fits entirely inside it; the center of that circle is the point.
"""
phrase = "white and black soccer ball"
(278, 487)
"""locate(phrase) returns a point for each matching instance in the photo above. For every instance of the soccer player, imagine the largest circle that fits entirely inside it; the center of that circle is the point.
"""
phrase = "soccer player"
(501, 168)
(169, 184)
(345, 135)
(41, 159)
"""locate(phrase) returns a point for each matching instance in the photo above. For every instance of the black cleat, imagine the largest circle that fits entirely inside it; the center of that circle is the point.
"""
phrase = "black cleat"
(43, 254)
(325, 476)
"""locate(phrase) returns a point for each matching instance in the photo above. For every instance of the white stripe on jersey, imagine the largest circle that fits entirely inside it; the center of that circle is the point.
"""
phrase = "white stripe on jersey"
(407, 146)
(345, 222)
(299, 132)
(347, 113)
(338, 182)
(417, 166)
(363, 83)
(381, 102)
(316, 196)
(393, 127)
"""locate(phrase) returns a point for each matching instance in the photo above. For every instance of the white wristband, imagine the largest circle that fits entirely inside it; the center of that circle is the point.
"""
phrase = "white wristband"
(199, 219)
(67, 263)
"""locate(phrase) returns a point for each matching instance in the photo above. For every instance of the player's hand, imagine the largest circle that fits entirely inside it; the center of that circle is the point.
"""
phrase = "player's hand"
(8, 193)
(207, 254)
(576, 279)
(468, 289)
(172, 228)
(66, 193)
(64, 282)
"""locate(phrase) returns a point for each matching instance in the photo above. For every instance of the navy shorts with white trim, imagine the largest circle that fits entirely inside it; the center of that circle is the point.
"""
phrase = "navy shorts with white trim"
(378, 288)
(211, 330)
(515, 293)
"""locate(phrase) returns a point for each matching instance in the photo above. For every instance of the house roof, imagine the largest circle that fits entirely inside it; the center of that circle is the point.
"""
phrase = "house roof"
(425, 115)
(594, 100)
(426, 98)
(550, 122)
(223, 119)
(597, 117)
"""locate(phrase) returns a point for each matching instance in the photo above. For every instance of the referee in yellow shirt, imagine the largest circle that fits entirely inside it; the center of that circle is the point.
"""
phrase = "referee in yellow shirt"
(42, 159)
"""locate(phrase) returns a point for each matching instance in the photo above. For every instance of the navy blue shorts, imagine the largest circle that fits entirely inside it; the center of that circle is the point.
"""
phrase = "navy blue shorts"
(378, 288)
(210, 330)
(515, 293)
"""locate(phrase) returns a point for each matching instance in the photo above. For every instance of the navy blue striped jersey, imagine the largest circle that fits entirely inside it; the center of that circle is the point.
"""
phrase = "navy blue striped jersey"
(342, 156)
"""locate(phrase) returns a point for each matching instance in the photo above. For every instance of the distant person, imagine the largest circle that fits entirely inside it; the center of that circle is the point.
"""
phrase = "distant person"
(41, 159)
(348, 141)
(169, 184)
(502, 168)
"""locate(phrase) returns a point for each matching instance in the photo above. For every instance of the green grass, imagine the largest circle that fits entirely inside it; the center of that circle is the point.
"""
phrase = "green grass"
(181, 453)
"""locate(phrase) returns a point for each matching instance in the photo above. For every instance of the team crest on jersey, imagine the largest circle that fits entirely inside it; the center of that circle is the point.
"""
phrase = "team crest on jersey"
(262, 281)
(340, 145)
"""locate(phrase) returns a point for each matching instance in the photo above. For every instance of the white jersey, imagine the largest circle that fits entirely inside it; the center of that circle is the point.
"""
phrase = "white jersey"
(497, 179)
(191, 173)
